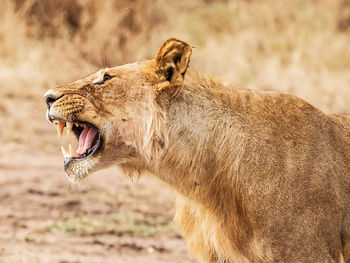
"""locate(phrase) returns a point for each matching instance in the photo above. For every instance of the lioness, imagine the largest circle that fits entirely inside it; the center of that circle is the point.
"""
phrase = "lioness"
(259, 176)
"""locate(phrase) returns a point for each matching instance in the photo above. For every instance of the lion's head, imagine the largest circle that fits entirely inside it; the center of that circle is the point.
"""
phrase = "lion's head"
(116, 113)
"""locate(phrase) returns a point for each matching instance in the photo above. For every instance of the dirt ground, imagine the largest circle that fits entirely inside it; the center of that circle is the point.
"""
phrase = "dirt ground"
(106, 219)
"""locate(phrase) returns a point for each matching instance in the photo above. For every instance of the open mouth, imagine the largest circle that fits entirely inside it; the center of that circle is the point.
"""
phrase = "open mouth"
(89, 139)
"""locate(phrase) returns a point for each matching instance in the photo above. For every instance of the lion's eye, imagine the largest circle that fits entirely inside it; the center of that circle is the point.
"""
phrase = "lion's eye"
(106, 77)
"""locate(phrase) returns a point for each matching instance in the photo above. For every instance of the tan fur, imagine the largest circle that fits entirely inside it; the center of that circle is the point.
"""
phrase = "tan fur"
(260, 177)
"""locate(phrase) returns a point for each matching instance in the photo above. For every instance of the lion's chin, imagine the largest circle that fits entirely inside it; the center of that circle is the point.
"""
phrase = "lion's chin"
(78, 169)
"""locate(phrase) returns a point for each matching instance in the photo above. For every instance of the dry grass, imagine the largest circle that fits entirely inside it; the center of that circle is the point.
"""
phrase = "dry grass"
(121, 224)
(299, 47)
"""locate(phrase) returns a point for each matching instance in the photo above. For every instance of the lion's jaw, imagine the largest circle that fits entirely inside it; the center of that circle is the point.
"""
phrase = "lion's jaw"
(101, 108)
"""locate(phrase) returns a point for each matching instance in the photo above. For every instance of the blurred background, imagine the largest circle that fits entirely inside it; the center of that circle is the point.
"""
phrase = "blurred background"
(298, 47)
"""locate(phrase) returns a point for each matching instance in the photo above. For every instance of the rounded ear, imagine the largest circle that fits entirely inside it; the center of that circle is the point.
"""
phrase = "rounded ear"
(172, 60)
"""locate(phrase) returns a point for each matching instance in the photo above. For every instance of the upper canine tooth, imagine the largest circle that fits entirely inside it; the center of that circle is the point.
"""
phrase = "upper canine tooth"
(69, 127)
(72, 152)
(60, 127)
(65, 153)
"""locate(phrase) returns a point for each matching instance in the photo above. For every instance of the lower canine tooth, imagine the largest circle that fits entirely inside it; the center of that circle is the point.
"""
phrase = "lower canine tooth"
(72, 152)
(65, 153)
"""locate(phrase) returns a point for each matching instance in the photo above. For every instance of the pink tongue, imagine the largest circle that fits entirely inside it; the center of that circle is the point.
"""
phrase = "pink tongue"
(86, 139)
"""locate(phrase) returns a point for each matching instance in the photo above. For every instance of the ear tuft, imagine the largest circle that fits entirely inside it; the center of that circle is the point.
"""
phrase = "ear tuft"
(172, 61)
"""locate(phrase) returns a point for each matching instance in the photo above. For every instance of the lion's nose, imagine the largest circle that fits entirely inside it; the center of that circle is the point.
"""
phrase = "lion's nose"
(50, 98)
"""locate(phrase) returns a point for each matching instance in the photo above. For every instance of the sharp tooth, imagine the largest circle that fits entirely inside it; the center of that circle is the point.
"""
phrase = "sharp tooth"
(60, 127)
(65, 153)
(72, 152)
(76, 124)
(69, 127)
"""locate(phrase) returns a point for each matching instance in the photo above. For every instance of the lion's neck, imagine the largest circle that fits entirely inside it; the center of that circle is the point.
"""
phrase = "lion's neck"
(205, 143)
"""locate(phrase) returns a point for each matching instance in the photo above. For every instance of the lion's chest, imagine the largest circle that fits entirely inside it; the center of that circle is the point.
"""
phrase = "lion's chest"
(206, 236)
